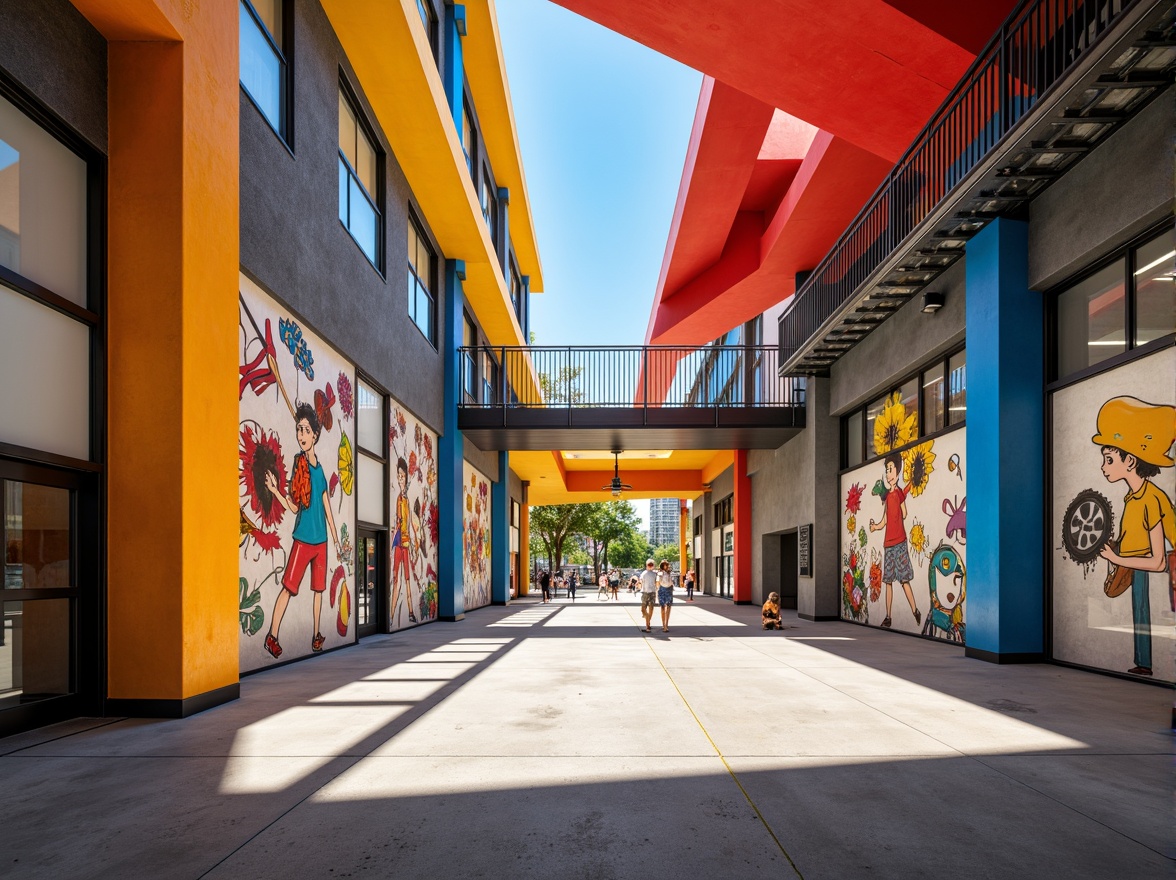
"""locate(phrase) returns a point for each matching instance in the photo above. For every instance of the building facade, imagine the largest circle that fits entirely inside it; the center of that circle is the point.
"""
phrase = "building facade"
(247, 196)
(663, 521)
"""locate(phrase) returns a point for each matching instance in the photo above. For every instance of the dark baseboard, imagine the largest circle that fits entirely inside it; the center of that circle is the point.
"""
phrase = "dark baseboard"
(743, 602)
(173, 708)
(451, 618)
(993, 657)
(817, 618)
(500, 602)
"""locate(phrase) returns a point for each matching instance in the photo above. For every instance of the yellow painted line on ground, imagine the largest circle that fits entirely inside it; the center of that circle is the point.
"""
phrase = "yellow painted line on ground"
(730, 770)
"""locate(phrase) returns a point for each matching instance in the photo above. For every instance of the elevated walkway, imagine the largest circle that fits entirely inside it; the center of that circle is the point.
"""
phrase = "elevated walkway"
(558, 741)
(625, 397)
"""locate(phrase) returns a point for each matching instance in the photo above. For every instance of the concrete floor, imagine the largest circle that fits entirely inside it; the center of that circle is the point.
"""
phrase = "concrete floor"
(559, 741)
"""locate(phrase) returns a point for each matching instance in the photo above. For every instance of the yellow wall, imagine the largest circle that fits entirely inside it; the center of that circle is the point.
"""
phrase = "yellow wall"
(171, 334)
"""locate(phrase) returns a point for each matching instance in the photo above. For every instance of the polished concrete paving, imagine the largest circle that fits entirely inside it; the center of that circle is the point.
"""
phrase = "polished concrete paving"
(559, 741)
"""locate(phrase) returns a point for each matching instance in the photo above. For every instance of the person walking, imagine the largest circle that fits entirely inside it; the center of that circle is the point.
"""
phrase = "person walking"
(572, 585)
(648, 592)
(665, 593)
(690, 585)
(545, 585)
(614, 584)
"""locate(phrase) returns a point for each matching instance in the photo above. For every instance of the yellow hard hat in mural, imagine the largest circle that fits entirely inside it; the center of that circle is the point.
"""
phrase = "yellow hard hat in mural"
(1145, 430)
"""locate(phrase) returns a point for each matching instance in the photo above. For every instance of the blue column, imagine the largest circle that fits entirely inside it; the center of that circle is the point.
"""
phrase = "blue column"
(454, 73)
(1005, 449)
(451, 455)
(500, 533)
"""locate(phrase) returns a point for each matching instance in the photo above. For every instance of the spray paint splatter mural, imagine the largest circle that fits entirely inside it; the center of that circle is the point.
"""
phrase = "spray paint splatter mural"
(904, 531)
(476, 538)
(1114, 569)
(296, 482)
(415, 520)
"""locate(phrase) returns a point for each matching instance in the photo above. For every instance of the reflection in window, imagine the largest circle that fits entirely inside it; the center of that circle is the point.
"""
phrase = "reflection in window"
(421, 263)
(263, 67)
(1092, 316)
(37, 536)
(873, 412)
(934, 410)
(9, 207)
(957, 400)
(1155, 288)
(358, 162)
(853, 439)
(35, 651)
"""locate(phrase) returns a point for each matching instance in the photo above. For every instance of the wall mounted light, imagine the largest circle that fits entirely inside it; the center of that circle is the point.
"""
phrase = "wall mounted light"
(932, 302)
(459, 18)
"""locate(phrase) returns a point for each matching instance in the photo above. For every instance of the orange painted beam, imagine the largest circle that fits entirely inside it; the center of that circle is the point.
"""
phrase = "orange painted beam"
(665, 481)
(173, 262)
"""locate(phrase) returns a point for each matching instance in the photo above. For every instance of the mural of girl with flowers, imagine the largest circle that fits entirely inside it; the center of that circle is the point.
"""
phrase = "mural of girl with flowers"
(415, 521)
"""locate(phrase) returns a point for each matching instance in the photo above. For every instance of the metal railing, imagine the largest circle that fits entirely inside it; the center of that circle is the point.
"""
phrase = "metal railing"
(1033, 50)
(627, 376)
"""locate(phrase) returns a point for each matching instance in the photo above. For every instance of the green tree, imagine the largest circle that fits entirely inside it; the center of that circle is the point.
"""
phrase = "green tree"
(630, 551)
(553, 524)
(665, 551)
(606, 524)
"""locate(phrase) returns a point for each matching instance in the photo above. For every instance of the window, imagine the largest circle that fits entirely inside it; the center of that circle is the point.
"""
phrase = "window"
(1126, 303)
(264, 71)
(489, 379)
(469, 377)
(421, 272)
(371, 434)
(931, 400)
(725, 511)
(516, 287)
(468, 137)
(358, 180)
(429, 20)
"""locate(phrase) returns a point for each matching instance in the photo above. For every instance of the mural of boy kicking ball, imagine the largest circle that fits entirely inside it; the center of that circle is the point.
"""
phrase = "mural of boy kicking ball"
(896, 560)
(1135, 438)
(310, 502)
(402, 544)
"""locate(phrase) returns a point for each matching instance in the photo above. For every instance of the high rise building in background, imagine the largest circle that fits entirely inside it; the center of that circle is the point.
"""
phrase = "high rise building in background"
(663, 521)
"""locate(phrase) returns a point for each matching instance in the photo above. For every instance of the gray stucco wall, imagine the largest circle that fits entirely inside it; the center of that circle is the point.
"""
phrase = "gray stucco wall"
(1118, 191)
(293, 243)
(67, 72)
(721, 486)
(901, 344)
(793, 486)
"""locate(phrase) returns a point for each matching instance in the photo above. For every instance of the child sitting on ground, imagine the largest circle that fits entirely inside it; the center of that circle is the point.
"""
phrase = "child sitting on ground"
(771, 611)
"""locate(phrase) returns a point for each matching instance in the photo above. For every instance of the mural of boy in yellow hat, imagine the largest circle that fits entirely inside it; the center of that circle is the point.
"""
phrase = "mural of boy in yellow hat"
(1136, 438)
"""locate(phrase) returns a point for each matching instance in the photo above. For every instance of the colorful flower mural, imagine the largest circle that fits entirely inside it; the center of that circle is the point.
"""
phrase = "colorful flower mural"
(894, 427)
(291, 532)
(476, 539)
(414, 520)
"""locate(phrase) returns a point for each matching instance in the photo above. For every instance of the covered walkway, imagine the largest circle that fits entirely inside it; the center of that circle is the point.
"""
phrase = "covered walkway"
(558, 741)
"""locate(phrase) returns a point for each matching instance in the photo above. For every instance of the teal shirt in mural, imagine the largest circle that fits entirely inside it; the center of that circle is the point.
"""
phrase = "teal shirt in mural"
(311, 525)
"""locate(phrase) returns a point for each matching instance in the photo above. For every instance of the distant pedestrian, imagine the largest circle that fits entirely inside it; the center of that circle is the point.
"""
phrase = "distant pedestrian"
(665, 594)
(690, 585)
(633, 584)
(545, 585)
(614, 584)
(648, 592)
(572, 585)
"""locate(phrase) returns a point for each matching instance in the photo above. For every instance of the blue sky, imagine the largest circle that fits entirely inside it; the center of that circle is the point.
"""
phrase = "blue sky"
(603, 124)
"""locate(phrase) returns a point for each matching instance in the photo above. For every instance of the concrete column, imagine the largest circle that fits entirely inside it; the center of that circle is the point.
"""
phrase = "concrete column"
(451, 456)
(525, 542)
(500, 533)
(1005, 449)
(741, 564)
(173, 263)
(818, 596)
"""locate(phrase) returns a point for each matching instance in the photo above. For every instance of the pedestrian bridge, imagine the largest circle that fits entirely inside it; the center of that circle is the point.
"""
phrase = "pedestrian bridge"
(626, 397)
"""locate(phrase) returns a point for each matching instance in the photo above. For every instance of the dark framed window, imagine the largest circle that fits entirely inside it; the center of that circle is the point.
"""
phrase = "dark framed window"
(489, 379)
(697, 526)
(469, 367)
(429, 20)
(1125, 302)
(359, 179)
(422, 272)
(516, 286)
(469, 138)
(725, 511)
(265, 74)
(928, 401)
(490, 205)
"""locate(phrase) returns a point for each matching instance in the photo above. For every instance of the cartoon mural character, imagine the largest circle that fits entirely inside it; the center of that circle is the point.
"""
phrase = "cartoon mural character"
(896, 560)
(310, 502)
(1135, 438)
(947, 604)
(402, 544)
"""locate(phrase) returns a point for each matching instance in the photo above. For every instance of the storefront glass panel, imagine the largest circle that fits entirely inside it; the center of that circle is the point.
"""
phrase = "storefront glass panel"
(35, 651)
(1155, 289)
(1092, 318)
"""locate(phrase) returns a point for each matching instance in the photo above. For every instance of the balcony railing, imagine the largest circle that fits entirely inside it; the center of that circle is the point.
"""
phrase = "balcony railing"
(650, 377)
(1034, 50)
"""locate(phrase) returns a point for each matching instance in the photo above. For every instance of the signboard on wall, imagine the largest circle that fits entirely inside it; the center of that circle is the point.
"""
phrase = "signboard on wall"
(804, 551)
(728, 542)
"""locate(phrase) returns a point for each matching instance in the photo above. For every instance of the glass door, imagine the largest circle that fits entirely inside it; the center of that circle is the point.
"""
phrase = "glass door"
(369, 584)
(50, 585)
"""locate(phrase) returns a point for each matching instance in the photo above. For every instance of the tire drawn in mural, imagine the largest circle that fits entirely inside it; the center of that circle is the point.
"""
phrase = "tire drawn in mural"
(1135, 439)
(296, 546)
(1087, 527)
(948, 584)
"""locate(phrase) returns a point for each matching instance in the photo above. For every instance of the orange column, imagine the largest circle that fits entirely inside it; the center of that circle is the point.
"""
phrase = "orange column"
(741, 592)
(173, 258)
(683, 520)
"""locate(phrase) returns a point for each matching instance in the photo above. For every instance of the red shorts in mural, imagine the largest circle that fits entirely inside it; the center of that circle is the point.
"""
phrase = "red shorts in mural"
(302, 555)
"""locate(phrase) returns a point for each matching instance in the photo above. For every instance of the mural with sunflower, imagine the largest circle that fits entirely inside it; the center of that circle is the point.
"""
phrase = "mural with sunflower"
(904, 530)
(476, 538)
(415, 519)
(296, 475)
